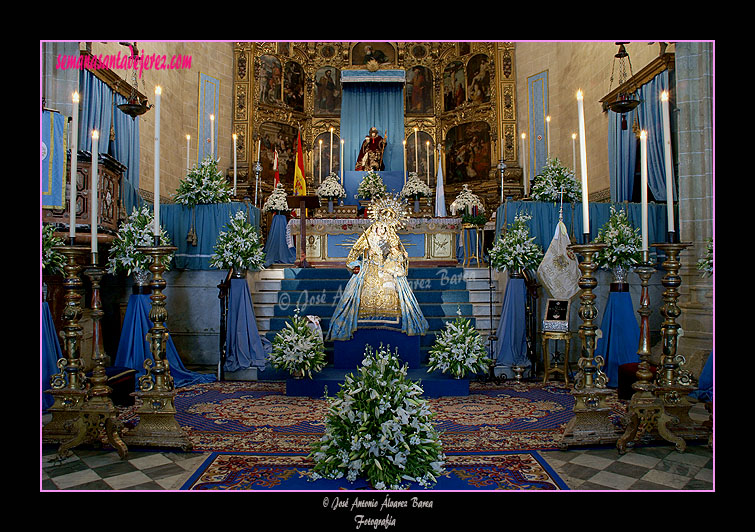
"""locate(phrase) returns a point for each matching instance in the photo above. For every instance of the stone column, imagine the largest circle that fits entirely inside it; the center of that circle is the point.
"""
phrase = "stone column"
(694, 119)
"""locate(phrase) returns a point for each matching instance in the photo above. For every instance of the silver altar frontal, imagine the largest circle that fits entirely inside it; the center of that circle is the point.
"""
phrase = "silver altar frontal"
(425, 239)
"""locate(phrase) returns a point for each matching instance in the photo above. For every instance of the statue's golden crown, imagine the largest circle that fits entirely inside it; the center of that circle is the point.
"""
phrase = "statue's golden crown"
(389, 209)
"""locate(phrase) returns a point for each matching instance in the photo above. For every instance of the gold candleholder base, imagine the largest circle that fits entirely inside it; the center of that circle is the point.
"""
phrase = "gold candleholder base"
(591, 424)
(68, 386)
(157, 425)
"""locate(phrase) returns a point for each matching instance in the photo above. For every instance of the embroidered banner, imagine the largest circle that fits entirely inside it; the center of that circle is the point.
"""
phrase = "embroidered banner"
(54, 145)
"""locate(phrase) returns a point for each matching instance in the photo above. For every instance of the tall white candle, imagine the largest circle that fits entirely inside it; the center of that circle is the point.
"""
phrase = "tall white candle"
(234, 164)
(93, 199)
(74, 168)
(320, 173)
(669, 163)
(644, 187)
(188, 146)
(404, 143)
(212, 136)
(259, 144)
(331, 151)
(524, 166)
(574, 151)
(548, 137)
(583, 164)
(343, 142)
(158, 93)
(427, 153)
(416, 151)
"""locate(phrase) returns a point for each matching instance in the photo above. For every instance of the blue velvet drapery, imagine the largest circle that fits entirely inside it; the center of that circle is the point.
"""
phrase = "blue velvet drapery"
(511, 348)
(378, 104)
(243, 342)
(276, 246)
(621, 335)
(51, 352)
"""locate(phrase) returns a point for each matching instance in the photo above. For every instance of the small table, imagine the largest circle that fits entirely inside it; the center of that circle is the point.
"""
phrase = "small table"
(555, 335)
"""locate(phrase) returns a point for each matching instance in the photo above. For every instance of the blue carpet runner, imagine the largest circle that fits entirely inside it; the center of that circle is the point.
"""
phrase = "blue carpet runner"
(440, 292)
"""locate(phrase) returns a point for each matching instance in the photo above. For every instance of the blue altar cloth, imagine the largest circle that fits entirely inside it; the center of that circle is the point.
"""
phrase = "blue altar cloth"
(511, 348)
(704, 390)
(621, 336)
(51, 352)
(209, 220)
(348, 354)
(243, 343)
(276, 246)
(133, 348)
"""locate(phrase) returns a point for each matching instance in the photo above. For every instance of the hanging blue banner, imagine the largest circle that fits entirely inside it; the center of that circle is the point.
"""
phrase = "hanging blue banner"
(54, 132)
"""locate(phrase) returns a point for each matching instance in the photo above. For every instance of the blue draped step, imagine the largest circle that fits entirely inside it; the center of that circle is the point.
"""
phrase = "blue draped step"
(440, 292)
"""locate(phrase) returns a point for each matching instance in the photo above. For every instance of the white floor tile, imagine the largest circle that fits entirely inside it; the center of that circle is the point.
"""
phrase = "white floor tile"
(75, 479)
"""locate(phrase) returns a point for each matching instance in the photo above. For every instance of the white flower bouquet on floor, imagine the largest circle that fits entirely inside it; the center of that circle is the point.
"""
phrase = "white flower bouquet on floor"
(459, 349)
(379, 427)
(137, 230)
(276, 201)
(298, 348)
(52, 260)
(239, 246)
(203, 184)
(515, 250)
(331, 188)
(705, 264)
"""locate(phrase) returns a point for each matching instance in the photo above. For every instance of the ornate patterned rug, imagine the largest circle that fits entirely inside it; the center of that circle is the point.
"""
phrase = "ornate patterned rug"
(257, 417)
(488, 471)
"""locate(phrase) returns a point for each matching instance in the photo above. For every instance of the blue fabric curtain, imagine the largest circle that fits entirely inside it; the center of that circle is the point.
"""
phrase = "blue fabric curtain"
(96, 111)
(276, 246)
(51, 352)
(133, 348)
(511, 348)
(243, 343)
(651, 120)
(621, 335)
(126, 151)
(545, 218)
(622, 158)
(378, 104)
(208, 221)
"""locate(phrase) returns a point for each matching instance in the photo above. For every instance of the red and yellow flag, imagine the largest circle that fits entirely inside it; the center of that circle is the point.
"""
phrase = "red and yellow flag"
(300, 184)
(275, 168)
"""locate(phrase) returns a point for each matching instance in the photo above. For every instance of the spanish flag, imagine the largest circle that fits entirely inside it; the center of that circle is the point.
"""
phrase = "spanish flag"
(300, 184)
(275, 168)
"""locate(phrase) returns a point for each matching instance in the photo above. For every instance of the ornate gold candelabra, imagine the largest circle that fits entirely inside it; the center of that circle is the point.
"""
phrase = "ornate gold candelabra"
(97, 413)
(591, 423)
(68, 386)
(157, 423)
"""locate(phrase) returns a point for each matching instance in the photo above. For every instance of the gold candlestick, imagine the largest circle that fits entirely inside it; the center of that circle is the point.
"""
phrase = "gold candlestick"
(646, 410)
(673, 381)
(157, 423)
(591, 423)
(68, 386)
(97, 413)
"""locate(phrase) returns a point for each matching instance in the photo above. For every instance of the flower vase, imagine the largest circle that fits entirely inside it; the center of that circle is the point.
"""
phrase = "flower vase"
(330, 205)
(297, 374)
(620, 274)
(238, 272)
(416, 204)
(141, 281)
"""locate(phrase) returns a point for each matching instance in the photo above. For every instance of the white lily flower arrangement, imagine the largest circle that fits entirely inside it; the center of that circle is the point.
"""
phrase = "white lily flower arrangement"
(554, 178)
(459, 349)
(203, 184)
(624, 242)
(331, 188)
(379, 427)
(515, 250)
(298, 348)
(465, 202)
(371, 186)
(415, 187)
(137, 230)
(239, 246)
(52, 261)
(276, 201)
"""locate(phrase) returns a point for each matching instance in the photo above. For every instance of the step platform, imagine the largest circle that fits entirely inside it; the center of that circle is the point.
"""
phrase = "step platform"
(347, 358)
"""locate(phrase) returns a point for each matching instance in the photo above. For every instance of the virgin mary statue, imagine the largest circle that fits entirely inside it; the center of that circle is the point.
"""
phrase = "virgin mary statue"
(378, 291)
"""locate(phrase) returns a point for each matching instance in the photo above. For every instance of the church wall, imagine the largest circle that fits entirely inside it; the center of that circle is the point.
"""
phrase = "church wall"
(178, 108)
(572, 66)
